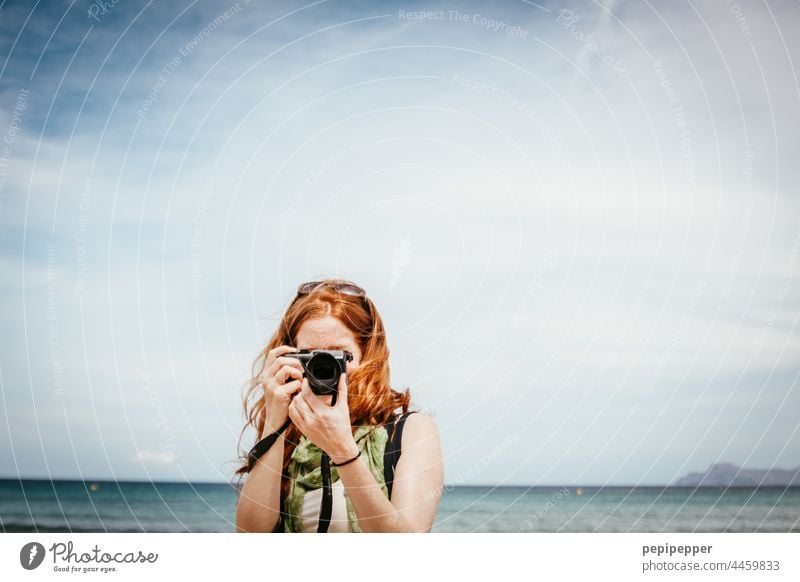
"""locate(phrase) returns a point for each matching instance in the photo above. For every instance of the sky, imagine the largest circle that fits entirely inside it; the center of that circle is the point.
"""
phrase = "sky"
(580, 222)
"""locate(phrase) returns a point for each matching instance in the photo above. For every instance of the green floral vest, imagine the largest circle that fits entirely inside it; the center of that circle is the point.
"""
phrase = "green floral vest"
(305, 473)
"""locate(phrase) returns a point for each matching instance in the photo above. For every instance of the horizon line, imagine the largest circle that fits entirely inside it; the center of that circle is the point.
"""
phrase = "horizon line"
(446, 486)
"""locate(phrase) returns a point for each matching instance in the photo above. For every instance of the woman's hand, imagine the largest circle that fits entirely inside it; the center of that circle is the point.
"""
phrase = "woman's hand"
(281, 379)
(326, 426)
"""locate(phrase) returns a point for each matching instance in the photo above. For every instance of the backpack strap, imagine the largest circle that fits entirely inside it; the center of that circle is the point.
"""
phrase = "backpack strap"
(391, 454)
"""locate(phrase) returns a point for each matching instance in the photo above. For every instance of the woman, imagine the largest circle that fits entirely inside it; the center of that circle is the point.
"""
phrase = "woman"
(324, 463)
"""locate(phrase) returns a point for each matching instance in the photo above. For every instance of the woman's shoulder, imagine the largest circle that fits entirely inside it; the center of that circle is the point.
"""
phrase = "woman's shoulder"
(419, 427)
(422, 449)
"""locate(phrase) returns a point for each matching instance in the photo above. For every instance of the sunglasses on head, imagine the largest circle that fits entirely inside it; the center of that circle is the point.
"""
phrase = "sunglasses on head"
(343, 287)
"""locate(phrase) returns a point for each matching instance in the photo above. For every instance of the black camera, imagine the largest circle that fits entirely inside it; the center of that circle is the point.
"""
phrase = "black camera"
(323, 368)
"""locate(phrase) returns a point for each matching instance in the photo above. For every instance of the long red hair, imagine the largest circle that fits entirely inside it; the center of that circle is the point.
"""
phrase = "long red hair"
(371, 401)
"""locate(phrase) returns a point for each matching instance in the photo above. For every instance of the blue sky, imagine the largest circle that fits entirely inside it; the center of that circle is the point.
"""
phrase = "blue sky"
(580, 222)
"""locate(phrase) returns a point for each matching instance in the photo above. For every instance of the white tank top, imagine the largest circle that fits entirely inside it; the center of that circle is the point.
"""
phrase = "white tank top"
(312, 502)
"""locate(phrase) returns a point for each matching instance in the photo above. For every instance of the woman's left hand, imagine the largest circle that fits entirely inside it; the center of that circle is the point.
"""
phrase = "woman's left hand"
(326, 426)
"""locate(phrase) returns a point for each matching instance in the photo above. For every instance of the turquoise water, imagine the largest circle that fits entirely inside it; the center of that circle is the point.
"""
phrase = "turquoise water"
(105, 506)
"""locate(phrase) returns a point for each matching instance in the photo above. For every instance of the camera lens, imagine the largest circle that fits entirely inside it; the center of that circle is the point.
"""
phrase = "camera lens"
(323, 366)
(323, 371)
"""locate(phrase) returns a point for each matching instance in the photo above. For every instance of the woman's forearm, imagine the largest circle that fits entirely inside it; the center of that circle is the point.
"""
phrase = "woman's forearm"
(258, 508)
(374, 511)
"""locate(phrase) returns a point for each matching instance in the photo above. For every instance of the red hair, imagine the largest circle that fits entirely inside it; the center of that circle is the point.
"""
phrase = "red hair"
(371, 399)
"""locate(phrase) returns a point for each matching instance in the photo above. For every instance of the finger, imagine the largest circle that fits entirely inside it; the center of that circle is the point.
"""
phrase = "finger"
(274, 353)
(287, 373)
(288, 389)
(342, 398)
(273, 384)
(279, 363)
(301, 407)
(272, 369)
(295, 413)
(313, 401)
(296, 419)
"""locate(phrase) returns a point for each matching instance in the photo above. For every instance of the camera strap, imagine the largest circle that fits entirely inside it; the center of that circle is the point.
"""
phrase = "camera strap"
(265, 444)
(326, 506)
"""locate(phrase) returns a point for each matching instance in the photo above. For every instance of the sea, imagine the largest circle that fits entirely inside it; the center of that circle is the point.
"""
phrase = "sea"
(114, 506)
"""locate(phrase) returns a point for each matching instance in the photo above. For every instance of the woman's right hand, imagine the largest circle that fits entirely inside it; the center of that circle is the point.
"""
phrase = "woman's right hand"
(282, 379)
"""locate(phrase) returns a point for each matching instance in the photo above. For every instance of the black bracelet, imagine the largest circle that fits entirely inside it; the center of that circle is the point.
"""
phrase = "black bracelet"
(262, 446)
(346, 462)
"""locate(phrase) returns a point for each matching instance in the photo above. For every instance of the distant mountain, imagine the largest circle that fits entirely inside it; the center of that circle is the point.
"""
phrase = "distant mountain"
(727, 474)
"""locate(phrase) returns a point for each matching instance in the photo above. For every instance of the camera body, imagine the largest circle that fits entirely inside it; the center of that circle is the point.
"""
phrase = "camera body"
(323, 368)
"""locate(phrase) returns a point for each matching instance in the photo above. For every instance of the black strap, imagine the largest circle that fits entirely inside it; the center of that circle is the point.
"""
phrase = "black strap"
(326, 508)
(391, 454)
(262, 446)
